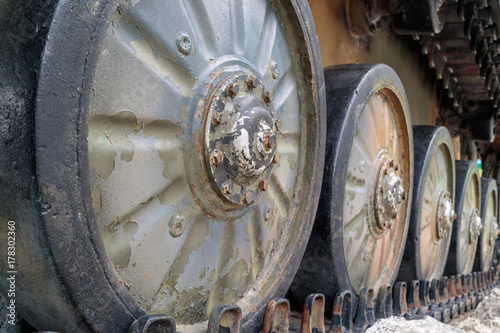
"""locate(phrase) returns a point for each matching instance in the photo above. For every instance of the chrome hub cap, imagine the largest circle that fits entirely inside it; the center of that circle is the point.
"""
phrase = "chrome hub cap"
(390, 194)
(240, 138)
(445, 215)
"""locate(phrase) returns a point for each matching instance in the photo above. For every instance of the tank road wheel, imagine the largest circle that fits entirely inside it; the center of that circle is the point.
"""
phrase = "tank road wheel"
(432, 213)
(489, 216)
(180, 151)
(468, 226)
(362, 220)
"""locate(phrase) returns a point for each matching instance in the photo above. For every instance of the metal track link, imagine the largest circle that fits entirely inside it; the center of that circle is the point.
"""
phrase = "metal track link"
(466, 56)
(446, 299)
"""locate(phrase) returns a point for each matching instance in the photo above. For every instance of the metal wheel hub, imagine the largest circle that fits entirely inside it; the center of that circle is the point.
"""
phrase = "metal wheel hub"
(390, 194)
(445, 215)
(240, 138)
(476, 226)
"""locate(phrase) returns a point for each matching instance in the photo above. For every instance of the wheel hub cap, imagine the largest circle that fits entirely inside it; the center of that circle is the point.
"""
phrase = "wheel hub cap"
(240, 138)
(476, 226)
(390, 194)
(445, 215)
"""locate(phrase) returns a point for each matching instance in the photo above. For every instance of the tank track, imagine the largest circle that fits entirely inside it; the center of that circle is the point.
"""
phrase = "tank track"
(466, 59)
(446, 299)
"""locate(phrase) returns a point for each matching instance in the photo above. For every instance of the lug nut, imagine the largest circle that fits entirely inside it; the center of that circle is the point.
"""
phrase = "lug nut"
(268, 96)
(269, 140)
(230, 90)
(251, 81)
(216, 157)
(227, 188)
(276, 159)
(245, 198)
(263, 185)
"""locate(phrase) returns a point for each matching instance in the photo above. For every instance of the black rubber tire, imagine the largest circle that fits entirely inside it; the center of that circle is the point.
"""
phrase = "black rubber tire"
(65, 279)
(417, 17)
(488, 188)
(465, 172)
(324, 268)
(427, 139)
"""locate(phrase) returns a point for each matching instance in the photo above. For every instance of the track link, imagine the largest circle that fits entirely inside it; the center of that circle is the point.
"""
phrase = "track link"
(446, 299)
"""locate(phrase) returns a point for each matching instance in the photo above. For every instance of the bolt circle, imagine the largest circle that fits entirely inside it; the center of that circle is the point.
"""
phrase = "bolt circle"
(241, 139)
(389, 195)
(445, 215)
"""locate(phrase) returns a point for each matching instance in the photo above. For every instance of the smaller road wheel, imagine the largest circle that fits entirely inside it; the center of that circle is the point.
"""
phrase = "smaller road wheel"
(432, 212)
(489, 216)
(360, 229)
(468, 225)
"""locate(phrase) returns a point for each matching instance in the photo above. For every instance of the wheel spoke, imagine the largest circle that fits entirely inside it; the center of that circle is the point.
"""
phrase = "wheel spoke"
(370, 123)
(285, 100)
(267, 39)
(149, 89)
(238, 33)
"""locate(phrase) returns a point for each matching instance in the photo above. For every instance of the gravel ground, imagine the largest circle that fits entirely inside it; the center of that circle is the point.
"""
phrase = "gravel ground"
(485, 319)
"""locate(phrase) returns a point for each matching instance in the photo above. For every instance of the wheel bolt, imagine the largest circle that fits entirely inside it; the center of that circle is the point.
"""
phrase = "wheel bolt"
(268, 96)
(276, 159)
(227, 188)
(269, 140)
(245, 198)
(251, 81)
(230, 90)
(263, 185)
(216, 157)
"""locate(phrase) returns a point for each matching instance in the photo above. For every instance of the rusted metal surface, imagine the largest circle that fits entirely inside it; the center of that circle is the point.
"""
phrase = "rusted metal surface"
(277, 317)
(224, 319)
(343, 310)
(313, 315)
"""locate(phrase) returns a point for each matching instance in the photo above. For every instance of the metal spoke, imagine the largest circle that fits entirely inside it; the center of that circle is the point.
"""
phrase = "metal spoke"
(267, 40)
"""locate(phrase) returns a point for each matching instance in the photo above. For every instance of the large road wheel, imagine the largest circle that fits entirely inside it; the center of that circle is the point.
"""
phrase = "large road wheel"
(432, 214)
(362, 220)
(468, 225)
(179, 157)
(489, 216)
